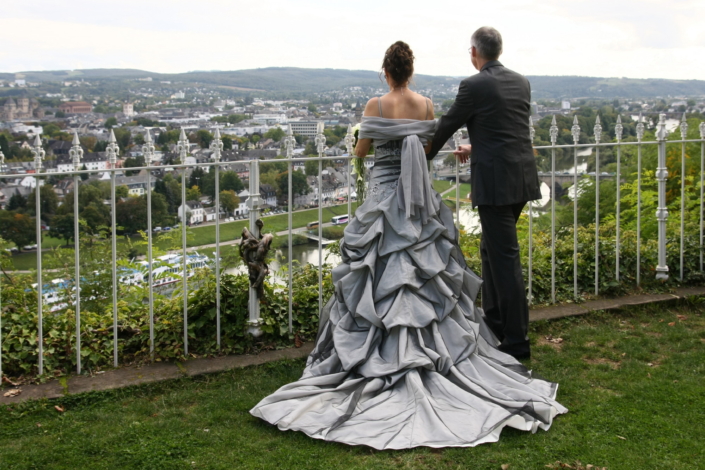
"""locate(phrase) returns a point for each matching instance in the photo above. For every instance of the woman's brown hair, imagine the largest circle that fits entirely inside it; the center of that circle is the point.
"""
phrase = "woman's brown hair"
(398, 63)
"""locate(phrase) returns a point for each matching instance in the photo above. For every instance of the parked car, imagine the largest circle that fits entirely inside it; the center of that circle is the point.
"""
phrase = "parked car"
(156, 229)
(166, 229)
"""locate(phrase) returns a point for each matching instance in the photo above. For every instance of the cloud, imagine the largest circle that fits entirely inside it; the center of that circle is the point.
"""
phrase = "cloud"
(641, 39)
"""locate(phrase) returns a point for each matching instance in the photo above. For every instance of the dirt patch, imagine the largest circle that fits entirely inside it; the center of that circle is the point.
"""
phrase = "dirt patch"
(655, 334)
(591, 344)
(602, 360)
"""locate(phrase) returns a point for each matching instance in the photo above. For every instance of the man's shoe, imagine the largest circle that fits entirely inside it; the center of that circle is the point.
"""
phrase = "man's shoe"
(516, 351)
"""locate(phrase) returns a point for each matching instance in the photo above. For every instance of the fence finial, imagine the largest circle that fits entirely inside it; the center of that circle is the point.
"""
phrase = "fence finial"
(702, 130)
(553, 130)
(38, 153)
(640, 128)
(216, 145)
(457, 136)
(148, 148)
(684, 127)
(575, 130)
(661, 127)
(349, 140)
(320, 140)
(532, 131)
(619, 128)
(112, 150)
(597, 130)
(182, 146)
(76, 152)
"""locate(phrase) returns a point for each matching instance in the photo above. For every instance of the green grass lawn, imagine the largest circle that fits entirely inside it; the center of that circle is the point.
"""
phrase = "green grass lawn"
(632, 380)
(204, 235)
(441, 185)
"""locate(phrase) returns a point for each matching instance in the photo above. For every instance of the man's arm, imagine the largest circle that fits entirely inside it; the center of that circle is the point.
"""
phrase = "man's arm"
(457, 115)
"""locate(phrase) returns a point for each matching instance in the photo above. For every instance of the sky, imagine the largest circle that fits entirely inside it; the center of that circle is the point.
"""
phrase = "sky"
(602, 38)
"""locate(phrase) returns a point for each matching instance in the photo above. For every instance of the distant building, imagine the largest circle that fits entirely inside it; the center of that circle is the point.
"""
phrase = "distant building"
(565, 104)
(128, 109)
(270, 118)
(305, 128)
(23, 108)
(75, 107)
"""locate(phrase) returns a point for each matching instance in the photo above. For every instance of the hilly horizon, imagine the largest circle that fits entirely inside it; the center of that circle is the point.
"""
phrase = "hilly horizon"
(303, 80)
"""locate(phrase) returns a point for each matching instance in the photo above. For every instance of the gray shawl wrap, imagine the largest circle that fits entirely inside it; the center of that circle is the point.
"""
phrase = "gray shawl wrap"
(415, 192)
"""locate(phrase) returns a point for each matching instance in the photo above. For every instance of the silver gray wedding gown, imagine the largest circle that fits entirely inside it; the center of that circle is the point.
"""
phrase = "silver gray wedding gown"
(403, 356)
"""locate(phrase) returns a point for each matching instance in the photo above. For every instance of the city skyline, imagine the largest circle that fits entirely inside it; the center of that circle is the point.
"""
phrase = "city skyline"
(635, 39)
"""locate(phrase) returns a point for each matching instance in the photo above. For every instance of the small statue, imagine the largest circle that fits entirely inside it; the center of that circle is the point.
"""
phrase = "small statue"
(254, 251)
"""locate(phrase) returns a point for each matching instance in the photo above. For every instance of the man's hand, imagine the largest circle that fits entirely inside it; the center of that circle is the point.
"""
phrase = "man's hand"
(462, 153)
(427, 147)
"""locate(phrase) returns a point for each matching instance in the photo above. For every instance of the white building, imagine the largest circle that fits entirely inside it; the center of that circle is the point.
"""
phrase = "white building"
(305, 128)
(565, 104)
(194, 212)
(270, 118)
(128, 109)
(242, 208)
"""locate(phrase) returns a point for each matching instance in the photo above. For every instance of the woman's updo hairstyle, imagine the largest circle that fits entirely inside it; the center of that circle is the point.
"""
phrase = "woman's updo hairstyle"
(398, 63)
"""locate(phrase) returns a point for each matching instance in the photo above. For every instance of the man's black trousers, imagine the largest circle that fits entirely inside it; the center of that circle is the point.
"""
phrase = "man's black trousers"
(503, 294)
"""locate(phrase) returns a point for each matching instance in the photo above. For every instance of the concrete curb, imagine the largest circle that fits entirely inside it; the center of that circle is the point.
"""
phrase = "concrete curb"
(159, 371)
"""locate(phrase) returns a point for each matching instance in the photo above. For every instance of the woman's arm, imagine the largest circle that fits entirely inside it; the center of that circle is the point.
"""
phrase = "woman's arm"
(363, 145)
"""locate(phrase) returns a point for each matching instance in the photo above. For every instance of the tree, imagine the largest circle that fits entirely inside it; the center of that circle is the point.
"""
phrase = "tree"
(131, 213)
(275, 133)
(312, 108)
(311, 167)
(227, 142)
(88, 141)
(204, 138)
(84, 176)
(110, 122)
(193, 193)
(17, 228)
(229, 201)
(196, 177)
(299, 185)
(138, 139)
(5, 145)
(62, 227)
(17, 202)
(122, 136)
(311, 148)
(121, 191)
(49, 201)
(229, 180)
(133, 162)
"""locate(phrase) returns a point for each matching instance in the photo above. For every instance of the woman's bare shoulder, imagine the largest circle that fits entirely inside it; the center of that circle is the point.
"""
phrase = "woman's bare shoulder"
(372, 107)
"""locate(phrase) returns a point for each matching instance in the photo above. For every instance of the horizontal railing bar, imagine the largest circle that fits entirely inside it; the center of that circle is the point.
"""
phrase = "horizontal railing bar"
(182, 165)
(611, 144)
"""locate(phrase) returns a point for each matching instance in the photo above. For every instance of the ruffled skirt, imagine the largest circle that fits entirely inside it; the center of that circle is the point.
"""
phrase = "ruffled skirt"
(403, 356)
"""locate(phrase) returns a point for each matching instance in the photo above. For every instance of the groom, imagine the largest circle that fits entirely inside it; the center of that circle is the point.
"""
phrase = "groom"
(495, 106)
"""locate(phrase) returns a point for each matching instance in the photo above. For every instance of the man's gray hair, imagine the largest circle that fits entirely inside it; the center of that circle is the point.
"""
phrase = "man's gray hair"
(488, 42)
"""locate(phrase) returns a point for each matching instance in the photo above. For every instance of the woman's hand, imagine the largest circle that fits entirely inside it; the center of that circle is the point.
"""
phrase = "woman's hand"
(462, 153)
(427, 147)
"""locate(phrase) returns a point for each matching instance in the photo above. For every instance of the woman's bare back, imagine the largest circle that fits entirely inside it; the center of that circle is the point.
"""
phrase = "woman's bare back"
(400, 103)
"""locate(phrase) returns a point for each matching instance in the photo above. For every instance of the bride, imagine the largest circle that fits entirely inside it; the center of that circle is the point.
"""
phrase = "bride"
(403, 356)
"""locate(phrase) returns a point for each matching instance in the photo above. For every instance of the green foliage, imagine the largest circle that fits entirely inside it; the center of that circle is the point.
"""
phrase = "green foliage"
(333, 233)
(275, 133)
(17, 228)
(299, 185)
(110, 122)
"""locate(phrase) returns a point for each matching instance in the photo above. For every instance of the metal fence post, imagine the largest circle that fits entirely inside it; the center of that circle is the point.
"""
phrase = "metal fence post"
(684, 135)
(39, 155)
(349, 145)
(598, 135)
(112, 151)
(76, 152)
(253, 204)
(553, 131)
(456, 140)
(2, 164)
(662, 210)
(148, 152)
(217, 148)
(321, 148)
(182, 147)
(289, 143)
(530, 297)
(575, 131)
(639, 136)
(702, 186)
(618, 129)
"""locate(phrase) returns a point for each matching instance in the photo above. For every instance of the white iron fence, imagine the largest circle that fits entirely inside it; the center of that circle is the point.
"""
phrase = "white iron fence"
(255, 203)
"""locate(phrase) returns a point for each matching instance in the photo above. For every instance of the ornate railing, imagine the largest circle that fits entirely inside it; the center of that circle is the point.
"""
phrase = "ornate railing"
(255, 204)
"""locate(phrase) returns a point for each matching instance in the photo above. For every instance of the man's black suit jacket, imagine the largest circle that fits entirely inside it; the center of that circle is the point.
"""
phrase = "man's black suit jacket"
(495, 106)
